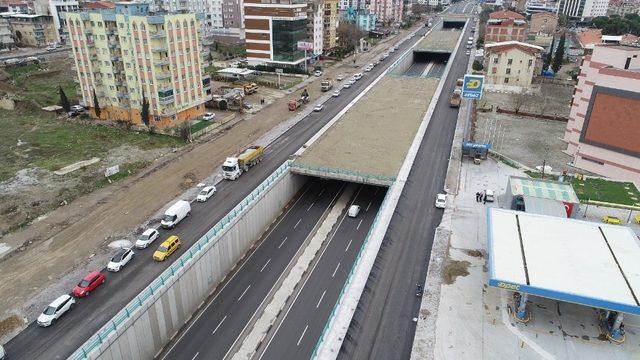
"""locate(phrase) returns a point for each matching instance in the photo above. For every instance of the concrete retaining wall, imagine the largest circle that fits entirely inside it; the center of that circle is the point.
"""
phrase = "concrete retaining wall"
(191, 279)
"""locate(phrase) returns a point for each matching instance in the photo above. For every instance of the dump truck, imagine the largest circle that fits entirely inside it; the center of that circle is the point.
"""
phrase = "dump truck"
(251, 88)
(294, 104)
(456, 98)
(233, 167)
(326, 85)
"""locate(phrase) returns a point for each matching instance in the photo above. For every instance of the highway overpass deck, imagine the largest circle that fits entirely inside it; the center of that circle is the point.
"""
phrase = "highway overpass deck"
(369, 143)
(439, 41)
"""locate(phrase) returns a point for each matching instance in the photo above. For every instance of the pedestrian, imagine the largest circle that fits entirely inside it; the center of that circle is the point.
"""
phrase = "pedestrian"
(477, 196)
(481, 197)
(484, 198)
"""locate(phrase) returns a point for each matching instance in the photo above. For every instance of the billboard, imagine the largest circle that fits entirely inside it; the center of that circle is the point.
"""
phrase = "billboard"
(305, 46)
(472, 86)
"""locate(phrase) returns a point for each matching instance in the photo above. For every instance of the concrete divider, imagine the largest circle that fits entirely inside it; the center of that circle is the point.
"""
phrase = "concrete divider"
(147, 323)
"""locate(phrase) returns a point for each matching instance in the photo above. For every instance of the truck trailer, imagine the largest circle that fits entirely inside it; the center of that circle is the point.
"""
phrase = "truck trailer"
(233, 167)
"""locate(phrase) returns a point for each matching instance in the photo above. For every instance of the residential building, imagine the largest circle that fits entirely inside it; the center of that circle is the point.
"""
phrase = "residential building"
(128, 54)
(273, 30)
(6, 38)
(18, 6)
(511, 65)
(232, 18)
(330, 23)
(543, 23)
(387, 11)
(315, 25)
(366, 21)
(602, 132)
(97, 5)
(588, 39)
(583, 9)
(505, 25)
(623, 7)
(211, 9)
(32, 30)
(56, 8)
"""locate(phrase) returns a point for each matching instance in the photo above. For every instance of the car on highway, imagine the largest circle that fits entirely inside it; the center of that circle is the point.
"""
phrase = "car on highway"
(317, 108)
(354, 210)
(340, 77)
(357, 76)
(441, 201)
(336, 93)
(346, 85)
(468, 52)
(88, 284)
(209, 116)
(607, 219)
(55, 310)
(120, 259)
(206, 193)
(167, 248)
(352, 80)
(147, 237)
(368, 68)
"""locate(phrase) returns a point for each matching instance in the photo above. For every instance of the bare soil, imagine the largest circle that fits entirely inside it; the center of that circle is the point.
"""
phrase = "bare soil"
(453, 269)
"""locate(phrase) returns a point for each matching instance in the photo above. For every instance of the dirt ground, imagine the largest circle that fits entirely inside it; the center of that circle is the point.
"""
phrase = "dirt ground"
(550, 100)
(66, 240)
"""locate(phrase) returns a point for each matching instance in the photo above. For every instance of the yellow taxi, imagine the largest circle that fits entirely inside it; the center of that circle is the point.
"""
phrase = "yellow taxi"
(167, 248)
(637, 219)
(611, 220)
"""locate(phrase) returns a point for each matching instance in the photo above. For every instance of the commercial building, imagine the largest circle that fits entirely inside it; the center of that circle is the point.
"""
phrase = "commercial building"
(128, 54)
(505, 26)
(623, 7)
(543, 23)
(602, 132)
(273, 31)
(32, 30)
(583, 9)
(330, 24)
(511, 65)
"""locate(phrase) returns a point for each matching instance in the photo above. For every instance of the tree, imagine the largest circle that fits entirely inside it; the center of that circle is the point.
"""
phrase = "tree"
(477, 65)
(349, 35)
(562, 20)
(64, 102)
(144, 112)
(96, 105)
(557, 59)
(549, 57)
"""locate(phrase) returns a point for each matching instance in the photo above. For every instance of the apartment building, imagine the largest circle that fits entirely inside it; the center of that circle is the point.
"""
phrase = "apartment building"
(56, 9)
(211, 9)
(232, 18)
(330, 24)
(583, 9)
(125, 54)
(543, 23)
(602, 132)
(273, 30)
(387, 11)
(315, 25)
(6, 38)
(505, 26)
(623, 7)
(511, 65)
(32, 30)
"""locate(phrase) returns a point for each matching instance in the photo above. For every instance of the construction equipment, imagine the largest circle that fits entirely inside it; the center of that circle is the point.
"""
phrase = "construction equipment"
(326, 85)
(233, 167)
(250, 88)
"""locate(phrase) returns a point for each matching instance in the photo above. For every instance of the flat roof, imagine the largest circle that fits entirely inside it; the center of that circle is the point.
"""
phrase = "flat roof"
(542, 206)
(570, 260)
(439, 41)
(546, 189)
(236, 71)
(369, 143)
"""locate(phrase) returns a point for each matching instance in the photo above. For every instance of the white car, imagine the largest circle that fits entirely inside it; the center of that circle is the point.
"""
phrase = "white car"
(50, 48)
(352, 80)
(317, 108)
(336, 93)
(468, 52)
(368, 68)
(354, 210)
(346, 85)
(357, 76)
(55, 310)
(392, 50)
(441, 201)
(147, 237)
(209, 116)
(340, 77)
(317, 73)
(120, 259)
(77, 108)
(206, 193)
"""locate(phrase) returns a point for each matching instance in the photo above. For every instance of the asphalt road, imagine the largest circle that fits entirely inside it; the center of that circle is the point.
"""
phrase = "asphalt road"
(382, 326)
(302, 325)
(75, 327)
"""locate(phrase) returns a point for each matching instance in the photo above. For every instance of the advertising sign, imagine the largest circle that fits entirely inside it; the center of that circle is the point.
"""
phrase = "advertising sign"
(472, 86)
(305, 46)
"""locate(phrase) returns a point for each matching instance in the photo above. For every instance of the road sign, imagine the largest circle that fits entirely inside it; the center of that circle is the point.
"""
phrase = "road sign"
(472, 86)
(110, 171)
(305, 46)
(279, 71)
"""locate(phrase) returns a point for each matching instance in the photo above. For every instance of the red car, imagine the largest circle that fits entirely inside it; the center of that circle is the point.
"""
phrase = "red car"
(88, 284)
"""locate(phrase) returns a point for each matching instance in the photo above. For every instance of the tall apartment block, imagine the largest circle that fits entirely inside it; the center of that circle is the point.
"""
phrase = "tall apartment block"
(330, 24)
(212, 10)
(273, 30)
(127, 53)
(388, 11)
(315, 25)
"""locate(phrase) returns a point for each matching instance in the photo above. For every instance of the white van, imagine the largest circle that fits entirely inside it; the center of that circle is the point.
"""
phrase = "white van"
(2, 353)
(178, 211)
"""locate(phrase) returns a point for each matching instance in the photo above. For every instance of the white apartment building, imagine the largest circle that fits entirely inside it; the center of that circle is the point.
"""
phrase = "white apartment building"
(56, 8)
(583, 9)
(211, 9)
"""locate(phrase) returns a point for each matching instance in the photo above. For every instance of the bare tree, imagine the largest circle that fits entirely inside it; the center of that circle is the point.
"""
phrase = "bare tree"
(519, 99)
(349, 35)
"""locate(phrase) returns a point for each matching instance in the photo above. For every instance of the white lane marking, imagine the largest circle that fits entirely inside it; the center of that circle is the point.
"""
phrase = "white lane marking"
(349, 244)
(309, 208)
(217, 327)
(358, 227)
(265, 264)
(321, 297)
(296, 225)
(244, 292)
(336, 270)
(321, 192)
(195, 356)
(282, 243)
(368, 206)
(302, 335)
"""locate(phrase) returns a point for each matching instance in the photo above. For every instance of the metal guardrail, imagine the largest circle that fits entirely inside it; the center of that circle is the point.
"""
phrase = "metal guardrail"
(350, 173)
(101, 336)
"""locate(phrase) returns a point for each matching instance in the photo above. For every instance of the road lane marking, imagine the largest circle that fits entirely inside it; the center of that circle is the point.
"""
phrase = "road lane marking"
(358, 227)
(244, 292)
(336, 270)
(301, 336)
(321, 192)
(217, 327)
(349, 244)
(368, 206)
(265, 264)
(296, 225)
(321, 297)
(285, 239)
(195, 356)
(309, 208)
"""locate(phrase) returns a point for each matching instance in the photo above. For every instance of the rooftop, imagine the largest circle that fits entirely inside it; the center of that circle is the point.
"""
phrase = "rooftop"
(506, 45)
(439, 41)
(506, 14)
(546, 189)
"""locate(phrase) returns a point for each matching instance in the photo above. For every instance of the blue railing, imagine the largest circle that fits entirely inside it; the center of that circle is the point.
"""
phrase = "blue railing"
(345, 172)
(156, 285)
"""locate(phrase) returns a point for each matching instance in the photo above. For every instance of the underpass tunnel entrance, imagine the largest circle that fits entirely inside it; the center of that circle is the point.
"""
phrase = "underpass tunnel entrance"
(428, 63)
(431, 56)
(453, 23)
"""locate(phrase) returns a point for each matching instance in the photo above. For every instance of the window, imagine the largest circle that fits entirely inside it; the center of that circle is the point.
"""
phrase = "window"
(508, 71)
(506, 80)
(509, 61)
(530, 62)
(495, 60)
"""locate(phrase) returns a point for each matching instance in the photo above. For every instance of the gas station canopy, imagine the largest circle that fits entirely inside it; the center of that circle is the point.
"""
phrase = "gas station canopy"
(581, 262)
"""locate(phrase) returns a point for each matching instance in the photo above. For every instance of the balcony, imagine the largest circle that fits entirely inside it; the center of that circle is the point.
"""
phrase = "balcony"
(158, 35)
(123, 95)
(91, 43)
(159, 49)
(114, 45)
(162, 62)
(166, 100)
(112, 31)
(163, 76)
(88, 31)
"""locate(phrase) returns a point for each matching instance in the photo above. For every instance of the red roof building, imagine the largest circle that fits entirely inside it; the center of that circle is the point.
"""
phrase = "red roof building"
(505, 25)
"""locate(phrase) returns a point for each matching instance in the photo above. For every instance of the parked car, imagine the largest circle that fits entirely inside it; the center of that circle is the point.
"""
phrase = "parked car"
(206, 193)
(352, 81)
(3, 354)
(336, 93)
(441, 201)
(88, 284)
(167, 248)
(611, 220)
(209, 116)
(55, 310)
(340, 77)
(78, 108)
(354, 210)
(317, 73)
(120, 259)
(50, 48)
(147, 237)
(317, 108)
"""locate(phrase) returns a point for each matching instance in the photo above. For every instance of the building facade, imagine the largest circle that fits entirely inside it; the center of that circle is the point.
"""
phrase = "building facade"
(56, 8)
(505, 26)
(623, 7)
(315, 26)
(583, 9)
(330, 24)
(543, 23)
(366, 21)
(33, 30)
(6, 38)
(233, 18)
(273, 30)
(387, 11)
(129, 55)
(511, 65)
(602, 132)
(536, 7)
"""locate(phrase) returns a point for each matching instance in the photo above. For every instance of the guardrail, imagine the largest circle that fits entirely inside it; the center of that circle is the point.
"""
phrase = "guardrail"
(208, 239)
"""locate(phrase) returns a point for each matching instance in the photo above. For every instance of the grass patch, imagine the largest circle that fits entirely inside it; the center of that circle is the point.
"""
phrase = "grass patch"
(52, 144)
(41, 86)
(606, 191)
(201, 125)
